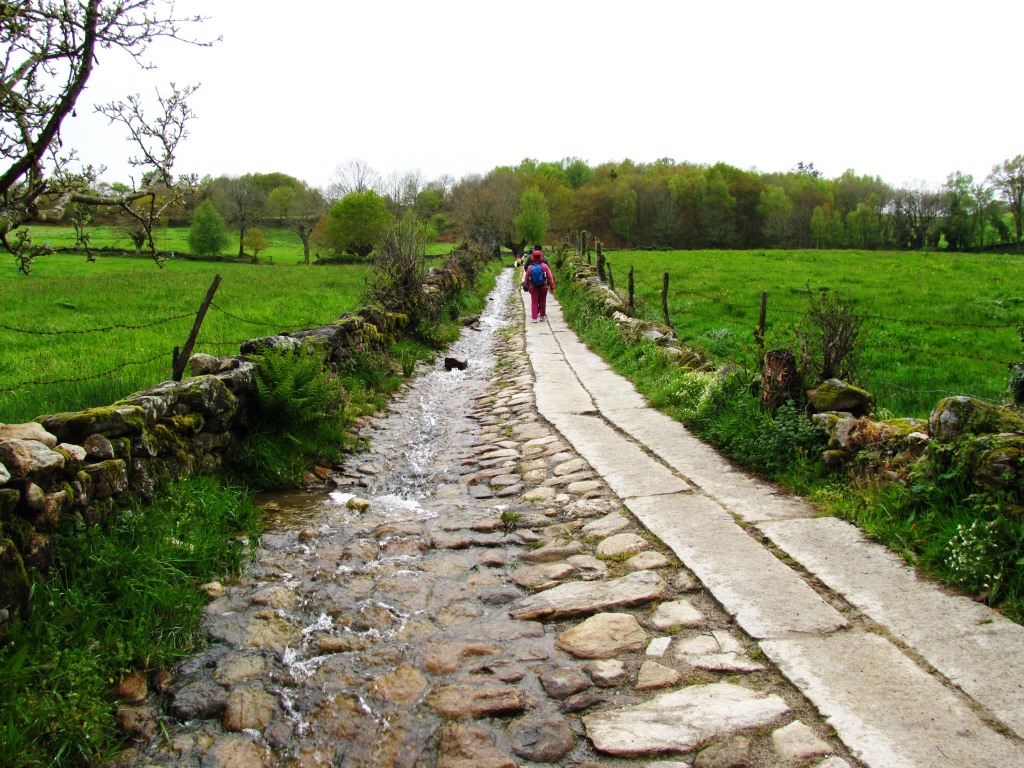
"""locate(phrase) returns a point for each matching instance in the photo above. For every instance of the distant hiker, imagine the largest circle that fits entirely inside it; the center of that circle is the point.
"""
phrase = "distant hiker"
(536, 278)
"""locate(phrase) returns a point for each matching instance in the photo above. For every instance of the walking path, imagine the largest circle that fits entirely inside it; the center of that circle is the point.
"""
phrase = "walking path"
(473, 595)
(906, 674)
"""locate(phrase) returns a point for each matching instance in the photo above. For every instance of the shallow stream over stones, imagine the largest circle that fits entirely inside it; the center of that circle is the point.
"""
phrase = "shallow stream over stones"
(433, 611)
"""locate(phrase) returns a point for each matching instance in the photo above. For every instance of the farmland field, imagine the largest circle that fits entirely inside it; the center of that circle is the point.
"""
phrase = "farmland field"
(936, 324)
(46, 369)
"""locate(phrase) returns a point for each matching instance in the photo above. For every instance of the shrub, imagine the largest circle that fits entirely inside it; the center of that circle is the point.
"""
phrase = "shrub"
(208, 235)
(831, 339)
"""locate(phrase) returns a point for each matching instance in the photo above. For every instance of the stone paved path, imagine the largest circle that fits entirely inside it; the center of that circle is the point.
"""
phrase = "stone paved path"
(588, 586)
(905, 674)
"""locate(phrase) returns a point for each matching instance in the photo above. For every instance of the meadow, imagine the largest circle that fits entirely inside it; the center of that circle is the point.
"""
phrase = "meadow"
(52, 359)
(936, 324)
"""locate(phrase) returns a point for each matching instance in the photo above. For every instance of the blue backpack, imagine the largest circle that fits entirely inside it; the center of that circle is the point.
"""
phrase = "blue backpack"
(537, 276)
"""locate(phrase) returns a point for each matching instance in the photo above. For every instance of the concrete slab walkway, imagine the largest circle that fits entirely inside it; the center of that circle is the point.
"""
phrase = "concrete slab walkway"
(907, 674)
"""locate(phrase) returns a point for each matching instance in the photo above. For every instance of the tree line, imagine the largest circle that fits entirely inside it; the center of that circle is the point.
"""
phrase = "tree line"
(50, 55)
(663, 204)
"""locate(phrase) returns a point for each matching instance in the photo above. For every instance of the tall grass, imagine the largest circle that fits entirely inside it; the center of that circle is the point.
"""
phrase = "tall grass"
(48, 370)
(120, 598)
(920, 347)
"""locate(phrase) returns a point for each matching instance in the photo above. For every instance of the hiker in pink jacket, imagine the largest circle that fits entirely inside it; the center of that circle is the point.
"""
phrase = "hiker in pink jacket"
(537, 277)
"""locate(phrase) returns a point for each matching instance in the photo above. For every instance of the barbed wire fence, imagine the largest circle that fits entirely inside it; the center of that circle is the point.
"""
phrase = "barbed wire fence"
(736, 315)
(169, 354)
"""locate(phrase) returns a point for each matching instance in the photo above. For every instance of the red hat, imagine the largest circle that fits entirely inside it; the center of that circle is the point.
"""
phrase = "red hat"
(538, 256)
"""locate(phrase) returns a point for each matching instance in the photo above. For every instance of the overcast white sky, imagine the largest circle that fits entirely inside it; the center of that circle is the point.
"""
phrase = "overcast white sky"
(903, 89)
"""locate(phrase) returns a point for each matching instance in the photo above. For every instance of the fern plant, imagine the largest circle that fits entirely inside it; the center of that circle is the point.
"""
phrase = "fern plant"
(300, 421)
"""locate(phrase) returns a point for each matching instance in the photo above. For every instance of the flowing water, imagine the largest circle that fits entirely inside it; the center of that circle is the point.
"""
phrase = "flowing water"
(339, 645)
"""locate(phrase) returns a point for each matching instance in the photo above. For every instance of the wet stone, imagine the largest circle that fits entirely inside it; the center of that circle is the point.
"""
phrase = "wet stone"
(579, 598)
(402, 528)
(248, 707)
(603, 636)
(503, 669)
(404, 547)
(560, 682)
(542, 739)
(463, 746)
(541, 576)
(236, 751)
(199, 700)
(552, 552)
(493, 558)
(235, 669)
(583, 700)
(501, 596)
(445, 658)
(457, 701)
(404, 686)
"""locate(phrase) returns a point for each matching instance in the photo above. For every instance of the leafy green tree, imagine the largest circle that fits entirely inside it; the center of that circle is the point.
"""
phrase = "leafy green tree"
(577, 172)
(208, 235)
(1008, 180)
(716, 211)
(624, 213)
(532, 221)
(281, 202)
(357, 222)
(776, 212)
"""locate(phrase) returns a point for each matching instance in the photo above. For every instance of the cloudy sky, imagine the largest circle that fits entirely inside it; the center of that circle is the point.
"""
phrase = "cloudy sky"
(903, 89)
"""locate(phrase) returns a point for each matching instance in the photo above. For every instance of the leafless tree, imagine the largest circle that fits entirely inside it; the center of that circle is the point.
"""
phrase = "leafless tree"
(352, 176)
(48, 50)
(242, 202)
(401, 189)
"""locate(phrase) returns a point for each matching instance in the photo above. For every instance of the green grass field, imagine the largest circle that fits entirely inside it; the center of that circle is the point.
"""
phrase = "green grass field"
(49, 370)
(921, 343)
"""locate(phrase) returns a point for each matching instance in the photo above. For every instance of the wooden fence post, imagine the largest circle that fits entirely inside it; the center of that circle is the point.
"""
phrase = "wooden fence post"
(762, 317)
(182, 359)
(664, 299)
(611, 278)
(632, 288)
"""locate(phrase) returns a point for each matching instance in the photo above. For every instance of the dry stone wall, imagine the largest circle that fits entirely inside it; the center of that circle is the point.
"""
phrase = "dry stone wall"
(989, 437)
(78, 467)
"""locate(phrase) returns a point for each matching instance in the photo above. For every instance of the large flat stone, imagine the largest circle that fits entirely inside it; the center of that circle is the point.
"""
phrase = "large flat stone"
(768, 598)
(974, 647)
(887, 710)
(681, 721)
(622, 463)
(747, 496)
(579, 598)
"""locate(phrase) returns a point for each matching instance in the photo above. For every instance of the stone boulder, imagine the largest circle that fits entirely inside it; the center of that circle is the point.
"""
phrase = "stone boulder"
(956, 416)
(837, 395)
